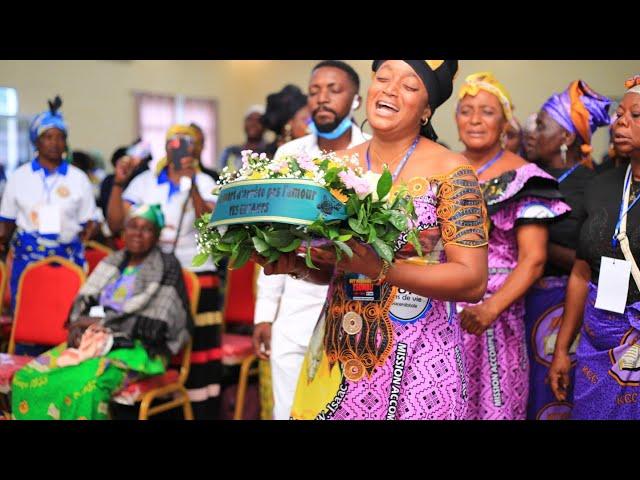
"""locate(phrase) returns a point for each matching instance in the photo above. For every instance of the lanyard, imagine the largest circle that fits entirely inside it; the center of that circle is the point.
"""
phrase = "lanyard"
(402, 163)
(567, 173)
(489, 163)
(621, 214)
(48, 188)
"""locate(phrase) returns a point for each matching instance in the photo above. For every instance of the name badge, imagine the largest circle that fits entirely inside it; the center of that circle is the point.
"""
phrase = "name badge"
(613, 284)
(185, 184)
(49, 219)
(409, 307)
(97, 311)
(361, 288)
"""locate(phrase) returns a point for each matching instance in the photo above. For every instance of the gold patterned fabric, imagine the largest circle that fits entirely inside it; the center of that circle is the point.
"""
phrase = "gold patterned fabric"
(451, 211)
(461, 209)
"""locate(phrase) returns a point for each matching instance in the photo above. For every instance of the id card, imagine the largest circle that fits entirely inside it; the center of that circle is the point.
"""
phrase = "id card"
(361, 288)
(613, 284)
(185, 184)
(49, 219)
(97, 311)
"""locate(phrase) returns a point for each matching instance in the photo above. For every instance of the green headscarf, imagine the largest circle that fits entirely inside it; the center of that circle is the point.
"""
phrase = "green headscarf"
(153, 213)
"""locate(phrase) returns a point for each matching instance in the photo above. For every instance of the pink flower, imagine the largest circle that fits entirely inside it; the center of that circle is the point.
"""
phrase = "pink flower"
(360, 185)
(306, 163)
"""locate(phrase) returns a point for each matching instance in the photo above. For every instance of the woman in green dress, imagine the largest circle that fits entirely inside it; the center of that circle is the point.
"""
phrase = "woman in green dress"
(129, 317)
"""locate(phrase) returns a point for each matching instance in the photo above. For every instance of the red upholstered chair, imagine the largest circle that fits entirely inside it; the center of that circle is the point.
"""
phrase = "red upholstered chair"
(94, 253)
(6, 295)
(5, 320)
(168, 387)
(239, 305)
(46, 291)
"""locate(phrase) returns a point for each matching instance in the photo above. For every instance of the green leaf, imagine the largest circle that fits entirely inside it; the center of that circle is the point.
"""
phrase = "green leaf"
(372, 234)
(224, 247)
(199, 259)
(217, 258)
(258, 232)
(260, 245)
(331, 175)
(278, 238)
(413, 239)
(383, 250)
(344, 247)
(244, 253)
(344, 238)
(384, 184)
(307, 258)
(357, 227)
(353, 205)
(398, 220)
(273, 256)
(292, 246)
(333, 233)
(234, 236)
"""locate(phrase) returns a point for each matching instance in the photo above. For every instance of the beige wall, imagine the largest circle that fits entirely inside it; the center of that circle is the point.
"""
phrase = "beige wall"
(99, 106)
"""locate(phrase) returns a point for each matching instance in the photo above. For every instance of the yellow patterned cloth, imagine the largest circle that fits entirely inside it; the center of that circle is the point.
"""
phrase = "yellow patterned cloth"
(266, 390)
(487, 82)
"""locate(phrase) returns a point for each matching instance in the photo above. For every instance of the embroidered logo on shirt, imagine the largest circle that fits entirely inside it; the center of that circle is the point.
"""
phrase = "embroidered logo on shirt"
(62, 191)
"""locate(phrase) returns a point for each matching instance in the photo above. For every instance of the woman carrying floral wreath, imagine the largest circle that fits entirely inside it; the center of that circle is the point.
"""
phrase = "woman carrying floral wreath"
(388, 344)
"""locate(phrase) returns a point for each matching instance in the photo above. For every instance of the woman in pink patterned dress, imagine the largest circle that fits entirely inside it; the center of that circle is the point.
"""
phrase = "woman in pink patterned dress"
(399, 356)
(521, 199)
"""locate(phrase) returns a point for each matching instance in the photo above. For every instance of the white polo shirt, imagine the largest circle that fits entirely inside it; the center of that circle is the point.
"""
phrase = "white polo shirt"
(148, 188)
(309, 143)
(295, 304)
(32, 190)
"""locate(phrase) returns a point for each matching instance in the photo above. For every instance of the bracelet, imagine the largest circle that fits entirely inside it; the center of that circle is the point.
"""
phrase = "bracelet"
(383, 272)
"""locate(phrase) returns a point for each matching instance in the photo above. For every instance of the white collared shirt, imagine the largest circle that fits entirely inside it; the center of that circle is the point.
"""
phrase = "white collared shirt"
(148, 188)
(29, 189)
(296, 304)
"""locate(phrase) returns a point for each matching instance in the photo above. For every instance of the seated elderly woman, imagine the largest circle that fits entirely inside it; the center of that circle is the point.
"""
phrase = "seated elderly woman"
(128, 318)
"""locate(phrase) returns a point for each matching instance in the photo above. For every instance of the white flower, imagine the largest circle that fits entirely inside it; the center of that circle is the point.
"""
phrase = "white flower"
(222, 229)
(372, 178)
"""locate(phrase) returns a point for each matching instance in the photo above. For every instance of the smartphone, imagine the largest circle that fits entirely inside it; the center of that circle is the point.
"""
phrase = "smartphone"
(179, 148)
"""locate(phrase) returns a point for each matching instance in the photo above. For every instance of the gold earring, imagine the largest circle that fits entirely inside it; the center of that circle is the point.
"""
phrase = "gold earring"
(287, 133)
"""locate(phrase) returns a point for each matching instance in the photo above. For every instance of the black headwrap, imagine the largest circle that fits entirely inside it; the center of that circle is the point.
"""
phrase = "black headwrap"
(437, 76)
(282, 106)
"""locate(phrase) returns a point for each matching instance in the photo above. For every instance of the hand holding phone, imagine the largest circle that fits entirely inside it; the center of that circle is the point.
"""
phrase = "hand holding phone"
(179, 148)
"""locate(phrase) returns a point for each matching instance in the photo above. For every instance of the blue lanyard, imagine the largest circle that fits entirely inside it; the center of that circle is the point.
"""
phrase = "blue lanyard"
(49, 188)
(621, 215)
(489, 163)
(402, 163)
(567, 173)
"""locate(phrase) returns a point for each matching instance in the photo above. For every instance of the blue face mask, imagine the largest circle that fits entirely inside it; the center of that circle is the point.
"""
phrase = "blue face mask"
(344, 125)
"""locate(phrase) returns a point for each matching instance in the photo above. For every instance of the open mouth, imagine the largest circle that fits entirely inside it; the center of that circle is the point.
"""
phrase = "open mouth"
(386, 106)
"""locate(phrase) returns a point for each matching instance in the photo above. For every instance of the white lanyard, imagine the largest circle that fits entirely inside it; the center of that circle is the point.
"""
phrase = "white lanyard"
(621, 235)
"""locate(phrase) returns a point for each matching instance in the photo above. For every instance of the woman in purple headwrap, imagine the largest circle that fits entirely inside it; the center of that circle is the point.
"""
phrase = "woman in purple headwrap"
(521, 199)
(565, 125)
(603, 286)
